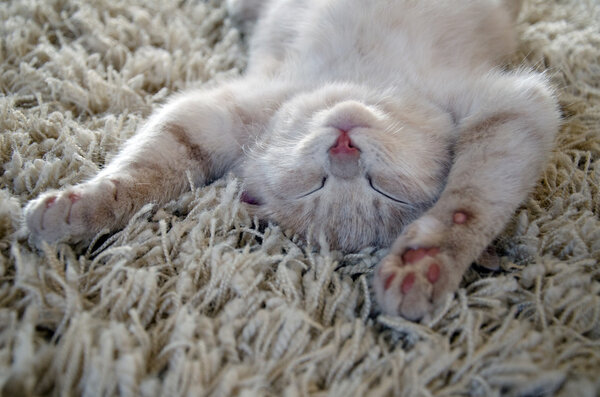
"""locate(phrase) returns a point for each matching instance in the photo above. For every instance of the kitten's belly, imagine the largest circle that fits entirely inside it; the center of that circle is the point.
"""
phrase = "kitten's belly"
(392, 41)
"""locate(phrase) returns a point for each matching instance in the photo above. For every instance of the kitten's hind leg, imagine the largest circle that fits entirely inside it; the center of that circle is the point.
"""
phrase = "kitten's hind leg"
(199, 133)
(506, 134)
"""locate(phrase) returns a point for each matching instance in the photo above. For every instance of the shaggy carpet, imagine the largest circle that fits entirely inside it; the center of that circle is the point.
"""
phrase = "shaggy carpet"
(195, 298)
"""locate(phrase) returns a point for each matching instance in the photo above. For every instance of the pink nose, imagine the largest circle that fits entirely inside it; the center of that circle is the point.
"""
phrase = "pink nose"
(343, 145)
(344, 157)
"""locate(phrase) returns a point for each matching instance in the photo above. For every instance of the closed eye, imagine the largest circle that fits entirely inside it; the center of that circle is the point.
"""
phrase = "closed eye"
(315, 190)
(387, 195)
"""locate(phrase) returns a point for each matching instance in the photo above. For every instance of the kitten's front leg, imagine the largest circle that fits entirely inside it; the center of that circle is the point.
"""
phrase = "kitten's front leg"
(199, 133)
(505, 136)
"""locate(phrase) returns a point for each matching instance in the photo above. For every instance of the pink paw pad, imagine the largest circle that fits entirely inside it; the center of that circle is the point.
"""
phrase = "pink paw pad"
(414, 255)
(433, 273)
(74, 197)
(407, 283)
(50, 202)
(388, 281)
(460, 217)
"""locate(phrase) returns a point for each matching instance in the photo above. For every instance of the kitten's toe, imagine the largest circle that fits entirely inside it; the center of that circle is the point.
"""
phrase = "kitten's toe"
(69, 215)
(35, 210)
(413, 283)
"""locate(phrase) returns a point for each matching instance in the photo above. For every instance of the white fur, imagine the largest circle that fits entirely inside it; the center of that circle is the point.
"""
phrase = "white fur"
(415, 83)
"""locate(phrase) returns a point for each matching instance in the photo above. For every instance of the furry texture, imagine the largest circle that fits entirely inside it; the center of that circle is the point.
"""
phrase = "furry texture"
(349, 129)
(195, 299)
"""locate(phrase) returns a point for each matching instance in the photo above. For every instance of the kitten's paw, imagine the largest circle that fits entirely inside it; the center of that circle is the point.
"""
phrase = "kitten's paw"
(418, 273)
(73, 214)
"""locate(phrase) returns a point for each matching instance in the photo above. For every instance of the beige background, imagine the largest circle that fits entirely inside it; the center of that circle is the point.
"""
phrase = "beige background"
(194, 300)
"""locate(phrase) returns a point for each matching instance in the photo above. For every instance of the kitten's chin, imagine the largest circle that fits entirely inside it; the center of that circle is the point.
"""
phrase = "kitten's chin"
(316, 229)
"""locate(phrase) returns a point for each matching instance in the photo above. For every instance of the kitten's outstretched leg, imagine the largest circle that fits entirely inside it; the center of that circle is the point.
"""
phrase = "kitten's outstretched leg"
(505, 135)
(199, 132)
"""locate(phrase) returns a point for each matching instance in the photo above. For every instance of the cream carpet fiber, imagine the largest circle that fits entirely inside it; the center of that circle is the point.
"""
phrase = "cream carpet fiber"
(195, 299)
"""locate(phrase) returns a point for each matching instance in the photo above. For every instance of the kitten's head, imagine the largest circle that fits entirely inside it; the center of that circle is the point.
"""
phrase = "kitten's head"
(354, 165)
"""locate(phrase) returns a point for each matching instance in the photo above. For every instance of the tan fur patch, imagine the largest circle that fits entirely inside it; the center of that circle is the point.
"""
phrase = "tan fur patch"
(195, 152)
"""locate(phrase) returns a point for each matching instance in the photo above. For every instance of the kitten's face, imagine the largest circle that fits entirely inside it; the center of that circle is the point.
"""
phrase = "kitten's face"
(356, 166)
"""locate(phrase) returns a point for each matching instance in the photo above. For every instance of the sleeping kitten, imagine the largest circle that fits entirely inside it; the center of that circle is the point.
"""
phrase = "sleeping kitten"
(381, 122)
